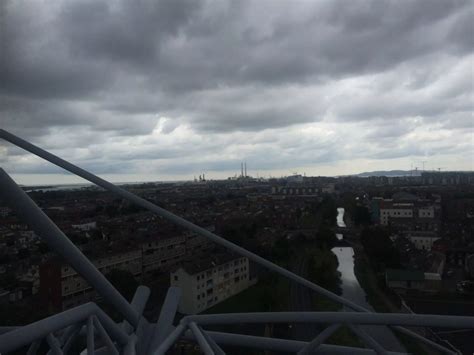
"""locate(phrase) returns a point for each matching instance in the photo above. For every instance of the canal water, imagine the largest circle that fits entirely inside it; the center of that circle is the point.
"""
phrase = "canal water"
(354, 292)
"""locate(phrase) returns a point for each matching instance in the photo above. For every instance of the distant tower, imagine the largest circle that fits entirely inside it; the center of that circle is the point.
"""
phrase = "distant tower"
(245, 165)
(242, 169)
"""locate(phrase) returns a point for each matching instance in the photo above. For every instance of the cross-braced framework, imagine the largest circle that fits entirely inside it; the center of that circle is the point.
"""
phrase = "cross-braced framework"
(136, 335)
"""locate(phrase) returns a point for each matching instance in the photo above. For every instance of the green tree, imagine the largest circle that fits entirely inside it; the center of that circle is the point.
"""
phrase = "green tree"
(323, 270)
(328, 211)
(325, 238)
(379, 248)
(361, 216)
(281, 249)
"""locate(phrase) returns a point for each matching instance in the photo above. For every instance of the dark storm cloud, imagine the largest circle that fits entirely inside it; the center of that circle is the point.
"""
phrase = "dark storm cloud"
(129, 32)
(95, 70)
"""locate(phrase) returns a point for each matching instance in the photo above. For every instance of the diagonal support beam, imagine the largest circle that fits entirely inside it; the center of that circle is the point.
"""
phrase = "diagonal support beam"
(196, 229)
(170, 340)
(216, 348)
(139, 300)
(164, 324)
(172, 217)
(72, 338)
(33, 349)
(281, 345)
(105, 337)
(368, 340)
(90, 336)
(407, 319)
(67, 333)
(26, 208)
(54, 344)
(314, 344)
(27, 334)
(203, 344)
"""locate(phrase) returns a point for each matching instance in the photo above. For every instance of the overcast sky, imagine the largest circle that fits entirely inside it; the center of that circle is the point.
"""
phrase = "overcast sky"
(160, 90)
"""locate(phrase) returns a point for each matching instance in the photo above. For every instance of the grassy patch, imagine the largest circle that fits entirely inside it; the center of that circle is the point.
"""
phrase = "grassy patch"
(367, 281)
(324, 304)
(271, 293)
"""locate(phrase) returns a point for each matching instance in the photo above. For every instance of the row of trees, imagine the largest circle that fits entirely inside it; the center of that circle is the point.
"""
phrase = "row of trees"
(323, 270)
(380, 248)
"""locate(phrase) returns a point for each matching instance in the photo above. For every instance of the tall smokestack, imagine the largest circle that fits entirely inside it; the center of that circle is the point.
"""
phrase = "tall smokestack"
(245, 165)
(242, 169)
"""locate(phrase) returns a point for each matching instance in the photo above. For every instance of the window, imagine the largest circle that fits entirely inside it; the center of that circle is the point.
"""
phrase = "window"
(176, 277)
(198, 297)
(236, 279)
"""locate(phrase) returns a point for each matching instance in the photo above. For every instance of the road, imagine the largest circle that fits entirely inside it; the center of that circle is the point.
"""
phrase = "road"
(300, 300)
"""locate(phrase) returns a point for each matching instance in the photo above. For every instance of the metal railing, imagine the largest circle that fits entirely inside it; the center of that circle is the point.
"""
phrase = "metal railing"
(137, 335)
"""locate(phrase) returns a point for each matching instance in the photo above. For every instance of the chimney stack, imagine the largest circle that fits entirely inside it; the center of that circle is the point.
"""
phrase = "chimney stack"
(245, 165)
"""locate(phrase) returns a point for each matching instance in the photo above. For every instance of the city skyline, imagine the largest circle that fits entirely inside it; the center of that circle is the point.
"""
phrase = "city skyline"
(169, 90)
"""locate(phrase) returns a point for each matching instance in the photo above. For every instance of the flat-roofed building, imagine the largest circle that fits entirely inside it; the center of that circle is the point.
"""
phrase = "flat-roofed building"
(61, 287)
(209, 280)
(390, 210)
(162, 254)
(423, 240)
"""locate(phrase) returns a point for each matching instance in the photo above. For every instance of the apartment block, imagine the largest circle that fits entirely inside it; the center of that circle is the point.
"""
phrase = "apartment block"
(161, 254)
(406, 212)
(209, 280)
(61, 287)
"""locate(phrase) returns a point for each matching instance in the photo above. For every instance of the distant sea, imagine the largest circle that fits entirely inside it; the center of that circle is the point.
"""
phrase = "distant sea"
(58, 187)
(84, 186)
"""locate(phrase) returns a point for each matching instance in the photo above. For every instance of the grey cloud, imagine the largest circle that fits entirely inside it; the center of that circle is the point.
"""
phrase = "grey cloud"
(107, 71)
(129, 32)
